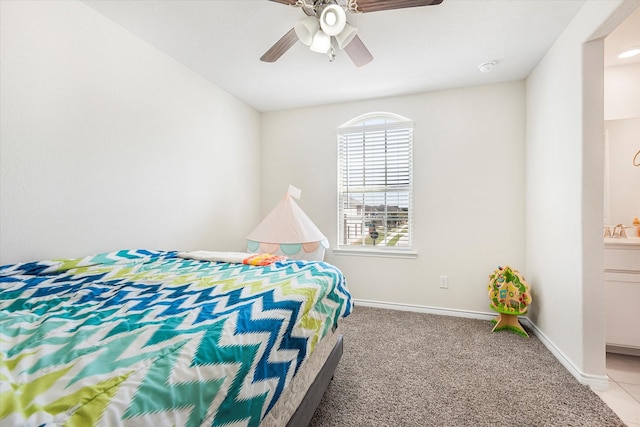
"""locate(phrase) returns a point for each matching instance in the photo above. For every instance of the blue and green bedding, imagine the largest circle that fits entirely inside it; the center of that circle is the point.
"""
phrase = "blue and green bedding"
(147, 338)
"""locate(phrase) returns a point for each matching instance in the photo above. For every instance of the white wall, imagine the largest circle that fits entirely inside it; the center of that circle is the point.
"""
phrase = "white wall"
(621, 89)
(468, 184)
(564, 163)
(622, 112)
(624, 177)
(107, 143)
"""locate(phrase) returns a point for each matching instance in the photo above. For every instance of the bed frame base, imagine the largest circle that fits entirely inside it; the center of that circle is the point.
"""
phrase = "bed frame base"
(310, 402)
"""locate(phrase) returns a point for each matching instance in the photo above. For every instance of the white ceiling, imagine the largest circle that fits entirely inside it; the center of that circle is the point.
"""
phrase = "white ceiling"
(625, 36)
(415, 50)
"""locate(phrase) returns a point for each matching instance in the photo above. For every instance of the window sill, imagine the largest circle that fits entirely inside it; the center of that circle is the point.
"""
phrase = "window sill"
(382, 253)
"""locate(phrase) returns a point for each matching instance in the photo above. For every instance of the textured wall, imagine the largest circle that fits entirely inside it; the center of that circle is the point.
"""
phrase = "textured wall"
(564, 192)
(468, 189)
(107, 143)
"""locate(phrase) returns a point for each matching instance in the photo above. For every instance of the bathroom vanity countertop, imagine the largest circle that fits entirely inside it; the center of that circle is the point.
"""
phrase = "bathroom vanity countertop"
(629, 241)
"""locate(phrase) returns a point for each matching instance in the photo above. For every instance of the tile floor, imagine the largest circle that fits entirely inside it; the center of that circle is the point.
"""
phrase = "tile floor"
(623, 395)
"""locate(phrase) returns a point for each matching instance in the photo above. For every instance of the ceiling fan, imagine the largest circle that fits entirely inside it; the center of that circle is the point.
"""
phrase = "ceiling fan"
(325, 27)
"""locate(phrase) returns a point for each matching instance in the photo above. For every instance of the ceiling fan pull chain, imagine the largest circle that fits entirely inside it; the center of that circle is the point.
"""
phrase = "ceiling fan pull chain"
(332, 54)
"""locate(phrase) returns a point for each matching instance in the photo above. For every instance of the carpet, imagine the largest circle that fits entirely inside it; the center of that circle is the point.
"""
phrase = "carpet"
(413, 369)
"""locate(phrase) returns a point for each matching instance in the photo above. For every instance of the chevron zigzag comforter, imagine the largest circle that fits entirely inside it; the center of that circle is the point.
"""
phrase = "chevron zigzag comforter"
(146, 338)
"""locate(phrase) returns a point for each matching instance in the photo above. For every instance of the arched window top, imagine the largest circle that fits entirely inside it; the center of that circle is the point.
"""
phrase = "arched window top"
(376, 119)
(375, 184)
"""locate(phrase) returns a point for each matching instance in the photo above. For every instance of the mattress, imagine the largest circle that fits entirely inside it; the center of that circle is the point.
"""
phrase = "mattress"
(293, 395)
(147, 338)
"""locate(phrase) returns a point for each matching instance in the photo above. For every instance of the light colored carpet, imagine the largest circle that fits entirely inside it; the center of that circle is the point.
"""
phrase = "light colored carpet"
(413, 369)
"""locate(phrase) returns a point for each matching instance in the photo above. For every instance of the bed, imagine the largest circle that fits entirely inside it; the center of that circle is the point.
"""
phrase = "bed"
(143, 337)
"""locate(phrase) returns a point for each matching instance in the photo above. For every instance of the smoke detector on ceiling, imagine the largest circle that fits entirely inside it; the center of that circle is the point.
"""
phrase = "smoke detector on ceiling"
(487, 66)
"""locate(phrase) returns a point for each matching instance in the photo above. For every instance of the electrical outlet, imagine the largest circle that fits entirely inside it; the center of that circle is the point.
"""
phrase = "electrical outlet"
(444, 282)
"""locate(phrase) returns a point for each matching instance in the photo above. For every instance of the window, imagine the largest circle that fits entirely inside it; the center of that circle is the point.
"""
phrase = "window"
(375, 183)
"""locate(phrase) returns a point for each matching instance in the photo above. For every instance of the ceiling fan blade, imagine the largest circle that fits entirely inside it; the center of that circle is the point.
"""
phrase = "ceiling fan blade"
(287, 2)
(377, 5)
(358, 52)
(280, 47)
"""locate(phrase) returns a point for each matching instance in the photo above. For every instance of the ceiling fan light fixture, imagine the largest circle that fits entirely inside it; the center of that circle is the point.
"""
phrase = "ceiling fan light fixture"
(333, 19)
(326, 20)
(321, 42)
(346, 36)
(306, 29)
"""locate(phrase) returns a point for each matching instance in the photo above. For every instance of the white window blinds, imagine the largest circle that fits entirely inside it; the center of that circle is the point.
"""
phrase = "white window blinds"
(375, 183)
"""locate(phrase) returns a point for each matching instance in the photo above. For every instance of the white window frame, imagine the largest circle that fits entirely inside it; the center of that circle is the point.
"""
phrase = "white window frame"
(357, 127)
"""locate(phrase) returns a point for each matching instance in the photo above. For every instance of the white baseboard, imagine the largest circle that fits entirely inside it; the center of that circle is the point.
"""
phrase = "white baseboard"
(596, 382)
(629, 351)
(425, 309)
